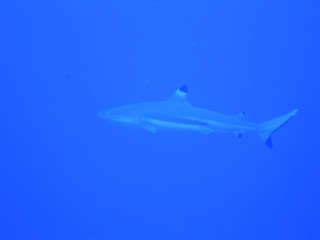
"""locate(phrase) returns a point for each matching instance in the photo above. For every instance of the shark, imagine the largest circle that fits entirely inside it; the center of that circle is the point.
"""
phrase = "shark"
(177, 114)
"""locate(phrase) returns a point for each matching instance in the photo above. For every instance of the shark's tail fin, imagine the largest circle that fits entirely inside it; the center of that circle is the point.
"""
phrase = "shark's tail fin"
(267, 128)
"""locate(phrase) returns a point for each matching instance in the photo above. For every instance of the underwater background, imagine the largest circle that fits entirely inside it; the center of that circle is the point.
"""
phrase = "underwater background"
(67, 174)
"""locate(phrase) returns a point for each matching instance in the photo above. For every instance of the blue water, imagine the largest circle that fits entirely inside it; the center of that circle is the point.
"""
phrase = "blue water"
(67, 174)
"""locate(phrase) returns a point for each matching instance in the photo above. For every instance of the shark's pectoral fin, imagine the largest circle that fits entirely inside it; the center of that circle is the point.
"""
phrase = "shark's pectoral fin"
(149, 127)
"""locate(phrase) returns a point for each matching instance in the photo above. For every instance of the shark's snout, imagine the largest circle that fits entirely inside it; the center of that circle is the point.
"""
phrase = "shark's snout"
(100, 114)
(106, 115)
(112, 116)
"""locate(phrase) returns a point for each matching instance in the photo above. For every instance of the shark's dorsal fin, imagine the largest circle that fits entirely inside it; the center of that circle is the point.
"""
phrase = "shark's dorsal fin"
(180, 95)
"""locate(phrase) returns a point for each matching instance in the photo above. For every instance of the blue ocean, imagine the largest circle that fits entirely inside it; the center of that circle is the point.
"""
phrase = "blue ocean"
(66, 173)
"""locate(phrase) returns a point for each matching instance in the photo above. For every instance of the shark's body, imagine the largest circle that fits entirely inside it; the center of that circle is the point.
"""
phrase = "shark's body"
(177, 114)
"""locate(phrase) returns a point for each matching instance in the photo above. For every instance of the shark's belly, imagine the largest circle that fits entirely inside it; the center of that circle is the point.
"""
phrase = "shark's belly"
(231, 126)
(173, 125)
(154, 125)
(178, 126)
(179, 122)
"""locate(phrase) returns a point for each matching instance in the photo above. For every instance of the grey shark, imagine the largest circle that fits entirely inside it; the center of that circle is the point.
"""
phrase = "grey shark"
(177, 114)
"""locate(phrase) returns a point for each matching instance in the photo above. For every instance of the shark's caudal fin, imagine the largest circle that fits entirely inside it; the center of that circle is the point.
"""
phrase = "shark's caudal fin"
(267, 128)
